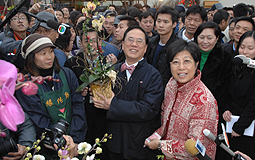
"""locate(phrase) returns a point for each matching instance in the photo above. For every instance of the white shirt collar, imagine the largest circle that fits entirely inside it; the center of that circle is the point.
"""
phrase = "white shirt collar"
(186, 38)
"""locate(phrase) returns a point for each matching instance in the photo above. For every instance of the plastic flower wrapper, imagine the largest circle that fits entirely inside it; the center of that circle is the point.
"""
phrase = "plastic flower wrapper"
(11, 113)
(112, 75)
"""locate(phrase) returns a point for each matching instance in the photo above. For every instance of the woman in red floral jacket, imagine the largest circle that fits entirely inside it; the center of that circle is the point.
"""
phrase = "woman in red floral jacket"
(188, 108)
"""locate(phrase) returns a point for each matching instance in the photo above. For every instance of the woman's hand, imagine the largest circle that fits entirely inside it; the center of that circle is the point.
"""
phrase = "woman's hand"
(227, 116)
(243, 155)
(152, 144)
(84, 92)
(234, 134)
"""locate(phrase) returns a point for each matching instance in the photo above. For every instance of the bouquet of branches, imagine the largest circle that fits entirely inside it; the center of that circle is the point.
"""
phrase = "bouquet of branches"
(97, 72)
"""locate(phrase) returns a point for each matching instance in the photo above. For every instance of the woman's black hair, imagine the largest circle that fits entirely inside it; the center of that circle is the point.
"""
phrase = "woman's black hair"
(32, 68)
(64, 39)
(181, 45)
(60, 11)
(212, 25)
(239, 70)
(245, 35)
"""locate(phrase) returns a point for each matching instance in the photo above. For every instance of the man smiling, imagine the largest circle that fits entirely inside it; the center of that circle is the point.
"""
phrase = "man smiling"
(133, 107)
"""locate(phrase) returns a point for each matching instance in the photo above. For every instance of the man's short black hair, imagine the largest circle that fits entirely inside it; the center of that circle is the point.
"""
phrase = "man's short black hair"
(123, 12)
(135, 13)
(147, 6)
(168, 10)
(131, 20)
(197, 9)
(136, 27)
(240, 9)
(220, 15)
(111, 5)
(145, 15)
(22, 10)
(245, 18)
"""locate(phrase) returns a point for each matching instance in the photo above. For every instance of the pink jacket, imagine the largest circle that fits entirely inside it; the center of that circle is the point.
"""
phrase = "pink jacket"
(192, 110)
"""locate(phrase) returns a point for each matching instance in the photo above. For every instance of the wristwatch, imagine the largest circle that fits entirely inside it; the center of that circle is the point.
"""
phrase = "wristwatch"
(159, 145)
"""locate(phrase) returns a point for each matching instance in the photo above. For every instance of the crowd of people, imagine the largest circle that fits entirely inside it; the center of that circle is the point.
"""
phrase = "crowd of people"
(176, 68)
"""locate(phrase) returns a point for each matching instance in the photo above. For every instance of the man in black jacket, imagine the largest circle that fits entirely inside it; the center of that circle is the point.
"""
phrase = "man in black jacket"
(166, 19)
(133, 107)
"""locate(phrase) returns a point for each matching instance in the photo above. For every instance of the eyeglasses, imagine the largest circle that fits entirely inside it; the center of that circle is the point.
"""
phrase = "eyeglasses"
(19, 19)
(45, 32)
(131, 40)
(91, 40)
(176, 63)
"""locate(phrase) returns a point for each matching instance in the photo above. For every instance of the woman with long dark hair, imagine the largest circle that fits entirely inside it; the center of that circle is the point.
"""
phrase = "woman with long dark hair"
(240, 100)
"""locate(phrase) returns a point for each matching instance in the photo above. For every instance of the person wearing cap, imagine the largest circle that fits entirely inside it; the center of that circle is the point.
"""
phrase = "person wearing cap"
(54, 100)
(49, 32)
(10, 46)
(109, 24)
(216, 7)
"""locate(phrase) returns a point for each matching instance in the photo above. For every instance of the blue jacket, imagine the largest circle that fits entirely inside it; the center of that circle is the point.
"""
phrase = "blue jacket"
(32, 106)
(108, 49)
(133, 111)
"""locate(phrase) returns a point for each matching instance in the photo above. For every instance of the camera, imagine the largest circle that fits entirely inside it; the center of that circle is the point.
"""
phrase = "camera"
(44, 6)
(55, 135)
(8, 145)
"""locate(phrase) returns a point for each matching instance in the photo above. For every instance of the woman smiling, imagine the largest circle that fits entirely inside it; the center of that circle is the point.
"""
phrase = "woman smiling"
(54, 100)
(188, 108)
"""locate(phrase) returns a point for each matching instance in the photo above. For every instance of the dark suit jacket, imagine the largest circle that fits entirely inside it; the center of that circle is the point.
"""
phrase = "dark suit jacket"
(163, 66)
(133, 111)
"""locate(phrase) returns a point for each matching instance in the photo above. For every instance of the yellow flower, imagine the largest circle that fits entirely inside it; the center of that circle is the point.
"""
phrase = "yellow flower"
(97, 140)
(95, 23)
(29, 155)
(98, 150)
(105, 140)
(91, 6)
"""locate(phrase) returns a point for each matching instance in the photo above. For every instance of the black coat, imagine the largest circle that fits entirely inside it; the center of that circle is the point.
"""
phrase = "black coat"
(133, 110)
(163, 66)
(240, 101)
(216, 73)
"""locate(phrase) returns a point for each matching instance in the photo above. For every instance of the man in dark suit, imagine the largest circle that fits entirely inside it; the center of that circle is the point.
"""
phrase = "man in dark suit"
(133, 107)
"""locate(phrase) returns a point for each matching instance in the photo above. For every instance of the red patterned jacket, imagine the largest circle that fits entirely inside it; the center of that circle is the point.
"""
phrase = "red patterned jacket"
(190, 108)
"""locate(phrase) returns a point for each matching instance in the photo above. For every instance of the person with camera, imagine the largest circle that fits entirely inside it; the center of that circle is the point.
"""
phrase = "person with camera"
(13, 144)
(54, 100)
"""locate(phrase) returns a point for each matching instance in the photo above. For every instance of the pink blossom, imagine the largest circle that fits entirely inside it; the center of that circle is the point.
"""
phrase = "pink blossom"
(11, 113)
(29, 88)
